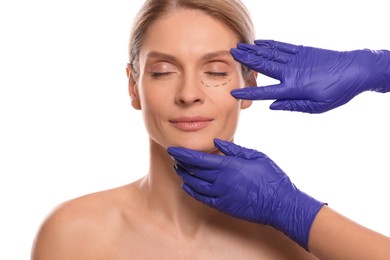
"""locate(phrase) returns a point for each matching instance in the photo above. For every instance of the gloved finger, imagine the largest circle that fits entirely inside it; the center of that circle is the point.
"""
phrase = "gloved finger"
(198, 185)
(203, 174)
(211, 201)
(277, 91)
(286, 47)
(266, 52)
(196, 158)
(232, 149)
(264, 66)
(305, 106)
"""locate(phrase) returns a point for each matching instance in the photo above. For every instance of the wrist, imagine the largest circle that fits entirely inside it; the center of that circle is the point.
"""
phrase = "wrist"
(382, 68)
(296, 216)
(385, 70)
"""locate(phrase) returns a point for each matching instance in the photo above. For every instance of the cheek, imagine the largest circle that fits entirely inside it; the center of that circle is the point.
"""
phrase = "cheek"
(229, 105)
(225, 103)
(152, 96)
(222, 96)
(153, 109)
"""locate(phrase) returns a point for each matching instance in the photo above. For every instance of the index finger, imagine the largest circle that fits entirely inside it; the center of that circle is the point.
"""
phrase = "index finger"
(282, 46)
(260, 64)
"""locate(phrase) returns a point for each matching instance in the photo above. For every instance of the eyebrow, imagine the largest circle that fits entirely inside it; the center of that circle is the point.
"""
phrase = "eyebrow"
(205, 57)
(215, 54)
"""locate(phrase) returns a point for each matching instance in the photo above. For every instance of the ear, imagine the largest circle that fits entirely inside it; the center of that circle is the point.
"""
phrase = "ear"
(250, 81)
(132, 85)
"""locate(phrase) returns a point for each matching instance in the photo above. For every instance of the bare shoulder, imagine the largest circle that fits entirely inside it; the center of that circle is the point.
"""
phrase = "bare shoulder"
(82, 227)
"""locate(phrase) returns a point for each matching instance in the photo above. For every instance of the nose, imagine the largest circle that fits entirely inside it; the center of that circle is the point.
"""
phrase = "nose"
(190, 91)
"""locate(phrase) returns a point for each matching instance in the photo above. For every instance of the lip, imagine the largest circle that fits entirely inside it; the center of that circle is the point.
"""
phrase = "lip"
(191, 123)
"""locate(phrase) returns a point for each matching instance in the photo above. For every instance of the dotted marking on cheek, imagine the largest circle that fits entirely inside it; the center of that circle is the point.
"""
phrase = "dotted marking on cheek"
(224, 84)
(216, 85)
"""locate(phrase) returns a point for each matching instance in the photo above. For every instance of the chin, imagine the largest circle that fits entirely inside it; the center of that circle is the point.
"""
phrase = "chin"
(198, 145)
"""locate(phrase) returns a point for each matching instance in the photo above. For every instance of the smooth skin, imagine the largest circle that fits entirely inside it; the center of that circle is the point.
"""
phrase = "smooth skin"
(334, 236)
(153, 218)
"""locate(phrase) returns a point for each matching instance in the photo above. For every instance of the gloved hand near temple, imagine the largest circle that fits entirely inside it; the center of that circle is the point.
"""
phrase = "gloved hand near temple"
(312, 80)
(246, 184)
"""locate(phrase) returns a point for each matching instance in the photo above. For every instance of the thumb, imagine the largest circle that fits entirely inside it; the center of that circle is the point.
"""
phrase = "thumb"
(231, 149)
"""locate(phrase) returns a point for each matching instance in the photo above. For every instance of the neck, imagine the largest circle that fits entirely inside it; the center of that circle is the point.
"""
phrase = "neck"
(166, 198)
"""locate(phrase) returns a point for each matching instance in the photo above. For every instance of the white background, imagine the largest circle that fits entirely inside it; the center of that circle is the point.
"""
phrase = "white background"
(67, 127)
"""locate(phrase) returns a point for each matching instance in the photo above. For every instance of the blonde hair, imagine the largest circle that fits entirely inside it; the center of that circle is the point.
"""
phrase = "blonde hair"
(232, 13)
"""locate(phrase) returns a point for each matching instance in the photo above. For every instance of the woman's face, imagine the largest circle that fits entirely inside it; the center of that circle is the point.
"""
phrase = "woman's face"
(185, 77)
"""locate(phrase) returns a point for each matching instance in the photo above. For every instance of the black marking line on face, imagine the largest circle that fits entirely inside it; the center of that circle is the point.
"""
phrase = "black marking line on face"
(217, 85)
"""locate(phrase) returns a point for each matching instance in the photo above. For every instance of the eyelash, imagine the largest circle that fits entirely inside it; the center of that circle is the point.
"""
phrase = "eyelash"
(211, 73)
(217, 74)
(160, 74)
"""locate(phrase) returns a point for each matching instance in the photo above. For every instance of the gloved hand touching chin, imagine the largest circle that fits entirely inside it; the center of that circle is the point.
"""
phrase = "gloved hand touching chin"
(247, 184)
(312, 80)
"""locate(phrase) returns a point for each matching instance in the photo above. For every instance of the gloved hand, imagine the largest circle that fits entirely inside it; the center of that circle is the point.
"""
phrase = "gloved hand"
(247, 184)
(312, 80)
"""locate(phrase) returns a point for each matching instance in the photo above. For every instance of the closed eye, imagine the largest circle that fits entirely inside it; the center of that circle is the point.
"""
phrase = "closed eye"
(217, 74)
(160, 74)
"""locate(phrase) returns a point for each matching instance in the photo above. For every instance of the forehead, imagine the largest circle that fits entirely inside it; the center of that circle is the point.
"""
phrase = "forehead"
(188, 32)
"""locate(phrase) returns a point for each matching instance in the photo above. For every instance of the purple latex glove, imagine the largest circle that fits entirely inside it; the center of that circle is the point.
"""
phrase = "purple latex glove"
(312, 80)
(247, 184)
